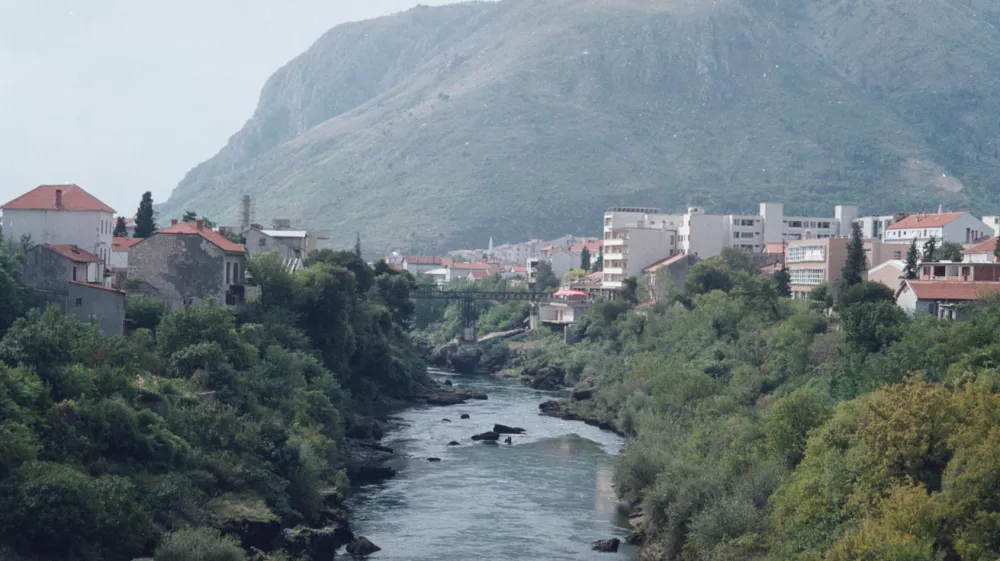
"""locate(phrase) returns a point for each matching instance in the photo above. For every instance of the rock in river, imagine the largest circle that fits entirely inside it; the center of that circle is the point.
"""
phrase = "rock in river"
(454, 443)
(493, 436)
(465, 416)
(607, 546)
(504, 429)
(362, 547)
(433, 459)
(316, 543)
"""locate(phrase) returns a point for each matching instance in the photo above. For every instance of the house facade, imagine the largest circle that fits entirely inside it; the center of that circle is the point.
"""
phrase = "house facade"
(188, 263)
(72, 278)
(949, 290)
(957, 227)
(983, 252)
(61, 215)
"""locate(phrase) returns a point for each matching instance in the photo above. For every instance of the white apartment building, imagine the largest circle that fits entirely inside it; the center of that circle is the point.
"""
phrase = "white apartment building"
(61, 215)
(873, 227)
(957, 227)
(635, 237)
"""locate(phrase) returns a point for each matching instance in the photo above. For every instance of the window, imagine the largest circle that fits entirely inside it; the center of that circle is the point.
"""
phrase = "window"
(263, 241)
(745, 222)
(229, 268)
(236, 273)
(800, 253)
(736, 235)
(824, 225)
(897, 254)
(747, 235)
(795, 224)
(79, 302)
(806, 276)
(74, 272)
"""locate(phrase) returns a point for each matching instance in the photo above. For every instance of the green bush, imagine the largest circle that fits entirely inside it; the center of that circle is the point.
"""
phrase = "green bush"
(198, 544)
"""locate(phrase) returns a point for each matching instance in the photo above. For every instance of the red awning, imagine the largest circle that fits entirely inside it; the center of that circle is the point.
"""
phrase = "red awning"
(570, 293)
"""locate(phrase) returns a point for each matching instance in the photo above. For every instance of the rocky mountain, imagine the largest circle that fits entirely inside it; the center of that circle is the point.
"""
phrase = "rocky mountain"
(442, 126)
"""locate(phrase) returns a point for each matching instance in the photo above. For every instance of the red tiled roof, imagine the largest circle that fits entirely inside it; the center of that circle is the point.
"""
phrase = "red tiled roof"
(479, 274)
(471, 266)
(191, 228)
(130, 222)
(925, 220)
(73, 253)
(775, 247)
(423, 260)
(985, 247)
(934, 290)
(98, 286)
(519, 269)
(122, 244)
(591, 245)
(43, 197)
(664, 263)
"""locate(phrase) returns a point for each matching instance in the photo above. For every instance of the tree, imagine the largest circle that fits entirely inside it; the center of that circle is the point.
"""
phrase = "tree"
(545, 279)
(854, 270)
(996, 249)
(910, 271)
(585, 259)
(145, 218)
(782, 281)
(357, 244)
(189, 216)
(599, 262)
(120, 230)
(950, 251)
(630, 290)
(930, 250)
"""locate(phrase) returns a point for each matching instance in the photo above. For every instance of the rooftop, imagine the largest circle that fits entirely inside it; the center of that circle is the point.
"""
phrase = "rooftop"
(935, 220)
(44, 197)
(122, 244)
(285, 233)
(935, 290)
(989, 246)
(97, 286)
(73, 253)
(198, 229)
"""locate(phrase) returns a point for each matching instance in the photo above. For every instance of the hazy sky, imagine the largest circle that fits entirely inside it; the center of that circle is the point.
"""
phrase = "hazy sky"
(124, 96)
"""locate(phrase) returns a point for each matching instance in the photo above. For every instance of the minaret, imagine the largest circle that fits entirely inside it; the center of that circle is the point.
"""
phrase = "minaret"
(490, 249)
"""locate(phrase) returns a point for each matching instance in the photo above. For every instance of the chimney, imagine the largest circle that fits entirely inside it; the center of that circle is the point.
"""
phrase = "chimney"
(173, 221)
(58, 199)
(199, 223)
(222, 230)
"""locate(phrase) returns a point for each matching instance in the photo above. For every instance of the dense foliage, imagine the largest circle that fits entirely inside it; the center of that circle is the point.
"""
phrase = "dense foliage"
(768, 428)
(199, 418)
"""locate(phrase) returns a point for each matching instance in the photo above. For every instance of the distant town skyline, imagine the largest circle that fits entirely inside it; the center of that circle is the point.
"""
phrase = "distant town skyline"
(122, 97)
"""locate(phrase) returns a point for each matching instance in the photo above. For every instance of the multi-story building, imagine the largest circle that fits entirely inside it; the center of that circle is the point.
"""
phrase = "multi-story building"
(873, 227)
(188, 263)
(993, 222)
(61, 215)
(948, 290)
(635, 237)
(812, 262)
(957, 227)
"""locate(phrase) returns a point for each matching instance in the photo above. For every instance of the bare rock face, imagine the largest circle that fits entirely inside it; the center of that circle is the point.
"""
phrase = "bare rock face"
(607, 546)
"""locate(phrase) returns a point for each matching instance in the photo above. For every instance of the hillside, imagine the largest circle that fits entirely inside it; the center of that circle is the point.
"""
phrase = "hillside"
(439, 127)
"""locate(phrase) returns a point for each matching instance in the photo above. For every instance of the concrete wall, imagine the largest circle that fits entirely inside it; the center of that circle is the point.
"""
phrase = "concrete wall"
(704, 235)
(647, 246)
(889, 274)
(258, 242)
(46, 270)
(562, 262)
(183, 269)
(91, 230)
(104, 306)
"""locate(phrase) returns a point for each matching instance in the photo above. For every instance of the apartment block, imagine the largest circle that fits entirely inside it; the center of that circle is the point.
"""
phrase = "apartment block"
(635, 237)
(817, 261)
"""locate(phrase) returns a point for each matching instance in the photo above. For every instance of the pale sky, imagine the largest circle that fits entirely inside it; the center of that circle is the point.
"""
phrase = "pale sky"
(124, 96)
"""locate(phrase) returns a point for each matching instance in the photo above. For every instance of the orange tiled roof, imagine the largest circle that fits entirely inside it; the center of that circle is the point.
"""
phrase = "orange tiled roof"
(122, 244)
(592, 246)
(192, 228)
(935, 290)
(43, 197)
(984, 247)
(73, 253)
(925, 220)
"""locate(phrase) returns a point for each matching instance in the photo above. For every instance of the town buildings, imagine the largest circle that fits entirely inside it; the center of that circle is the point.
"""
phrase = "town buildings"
(982, 252)
(61, 215)
(949, 290)
(187, 263)
(812, 262)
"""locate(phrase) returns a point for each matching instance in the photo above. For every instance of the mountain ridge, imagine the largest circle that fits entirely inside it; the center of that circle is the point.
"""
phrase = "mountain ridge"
(439, 127)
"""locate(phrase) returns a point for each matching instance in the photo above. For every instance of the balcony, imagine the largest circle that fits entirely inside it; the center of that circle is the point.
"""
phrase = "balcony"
(611, 256)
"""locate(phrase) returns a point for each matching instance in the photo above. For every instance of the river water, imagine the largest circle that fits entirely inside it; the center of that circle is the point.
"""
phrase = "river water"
(546, 497)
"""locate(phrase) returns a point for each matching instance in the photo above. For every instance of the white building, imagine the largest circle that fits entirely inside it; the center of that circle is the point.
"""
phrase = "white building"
(873, 227)
(634, 238)
(993, 222)
(957, 227)
(61, 215)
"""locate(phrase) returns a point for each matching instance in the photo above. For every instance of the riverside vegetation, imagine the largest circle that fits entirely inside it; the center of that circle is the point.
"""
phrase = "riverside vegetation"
(202, 433)
(766, 428)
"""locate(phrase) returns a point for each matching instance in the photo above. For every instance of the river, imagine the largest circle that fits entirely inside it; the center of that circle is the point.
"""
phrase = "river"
(546, 497)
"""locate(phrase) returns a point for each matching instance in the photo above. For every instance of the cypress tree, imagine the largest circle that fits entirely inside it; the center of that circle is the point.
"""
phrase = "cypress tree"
(854, 270)
(996, 249)
(783, 282)
(145, 224)
(585, 259)
(930, 250)
(910, 271)
(120, 230)
(357, 244)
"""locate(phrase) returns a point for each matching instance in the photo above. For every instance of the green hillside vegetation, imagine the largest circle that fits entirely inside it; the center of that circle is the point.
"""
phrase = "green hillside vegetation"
(763, 429)
(203, 432)
(442, 126)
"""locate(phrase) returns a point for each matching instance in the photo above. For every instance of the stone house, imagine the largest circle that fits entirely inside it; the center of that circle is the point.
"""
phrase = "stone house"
(72, 278)
(188, 263)
(61, 215)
